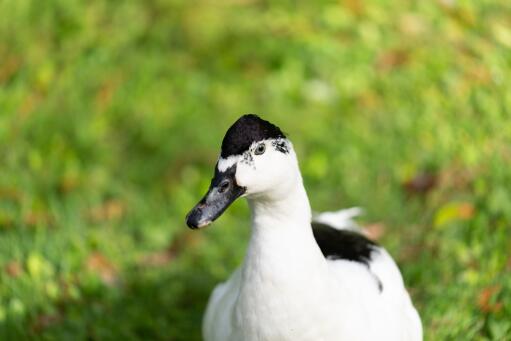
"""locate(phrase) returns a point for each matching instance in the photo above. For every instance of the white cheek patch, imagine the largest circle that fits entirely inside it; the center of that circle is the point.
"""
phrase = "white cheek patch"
(223, 164)
(245, 177)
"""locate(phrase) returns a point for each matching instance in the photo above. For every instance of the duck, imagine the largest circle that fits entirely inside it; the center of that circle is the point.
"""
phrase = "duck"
(302, 278)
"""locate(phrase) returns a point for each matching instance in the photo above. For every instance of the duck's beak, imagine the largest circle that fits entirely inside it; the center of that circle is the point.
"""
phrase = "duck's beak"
(222, 192)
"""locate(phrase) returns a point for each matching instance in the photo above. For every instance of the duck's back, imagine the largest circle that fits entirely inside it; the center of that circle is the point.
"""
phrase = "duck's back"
(369, 282)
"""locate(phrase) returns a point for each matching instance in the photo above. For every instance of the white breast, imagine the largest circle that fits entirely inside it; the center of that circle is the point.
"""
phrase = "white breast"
(287, 290)
(350, 307)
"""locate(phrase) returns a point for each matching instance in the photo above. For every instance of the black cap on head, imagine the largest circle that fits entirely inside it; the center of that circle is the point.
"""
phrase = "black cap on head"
(245, 131)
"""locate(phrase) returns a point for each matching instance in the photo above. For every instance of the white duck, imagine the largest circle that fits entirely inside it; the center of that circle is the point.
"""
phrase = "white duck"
(297, 282)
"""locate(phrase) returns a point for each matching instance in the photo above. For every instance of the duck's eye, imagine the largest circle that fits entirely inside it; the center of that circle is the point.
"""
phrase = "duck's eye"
(260, 149)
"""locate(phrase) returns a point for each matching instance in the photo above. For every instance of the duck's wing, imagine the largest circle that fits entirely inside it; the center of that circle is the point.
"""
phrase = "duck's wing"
(362, 263)
(339, 236)
(343, 244)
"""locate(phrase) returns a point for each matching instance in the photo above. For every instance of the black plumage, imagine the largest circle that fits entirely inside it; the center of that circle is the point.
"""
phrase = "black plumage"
(245, 131)
(343, 244)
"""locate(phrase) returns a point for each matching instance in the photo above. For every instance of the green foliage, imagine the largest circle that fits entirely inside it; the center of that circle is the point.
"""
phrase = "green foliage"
(111, 117)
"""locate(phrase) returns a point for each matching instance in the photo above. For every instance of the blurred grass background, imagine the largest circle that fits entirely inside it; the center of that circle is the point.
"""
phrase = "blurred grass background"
(111, 118)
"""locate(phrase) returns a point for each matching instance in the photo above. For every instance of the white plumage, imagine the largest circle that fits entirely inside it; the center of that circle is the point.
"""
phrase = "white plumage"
(286, 287)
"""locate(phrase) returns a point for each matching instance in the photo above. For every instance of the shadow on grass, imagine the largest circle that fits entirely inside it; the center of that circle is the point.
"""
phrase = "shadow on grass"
(164, 303)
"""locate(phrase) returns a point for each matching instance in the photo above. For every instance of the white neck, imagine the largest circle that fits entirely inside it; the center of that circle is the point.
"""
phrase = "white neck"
(291, 209)
(282, 237)
(283, 261)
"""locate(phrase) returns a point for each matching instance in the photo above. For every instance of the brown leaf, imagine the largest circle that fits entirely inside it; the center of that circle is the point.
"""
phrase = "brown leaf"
(14, 269)
(44, 321)
(107, 91)
(29, 104)
(484, 301)
(356, 7)
(410, 252)
(100, 265)
(457, 177)
(68, 184)
(109, 210)
(466, 210)
(389, 60)
(8, 68)
(157, 259)
(9, 193)
(374, 231)
(185, 241)
(421, 183)
(479, 74)
(35, 218)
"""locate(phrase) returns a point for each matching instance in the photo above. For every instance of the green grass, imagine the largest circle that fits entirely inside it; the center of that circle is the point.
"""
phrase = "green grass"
(111, 117)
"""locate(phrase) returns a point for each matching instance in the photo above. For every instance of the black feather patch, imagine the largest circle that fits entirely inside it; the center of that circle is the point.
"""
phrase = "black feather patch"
(245, 131)
(280, 145)
(345, 244)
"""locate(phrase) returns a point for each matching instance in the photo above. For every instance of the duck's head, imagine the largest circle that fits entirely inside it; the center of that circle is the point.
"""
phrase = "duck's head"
(256, 161)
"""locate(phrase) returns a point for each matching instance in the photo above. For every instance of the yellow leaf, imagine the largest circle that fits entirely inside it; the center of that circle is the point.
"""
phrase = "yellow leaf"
(452, 212)
(38, 266)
